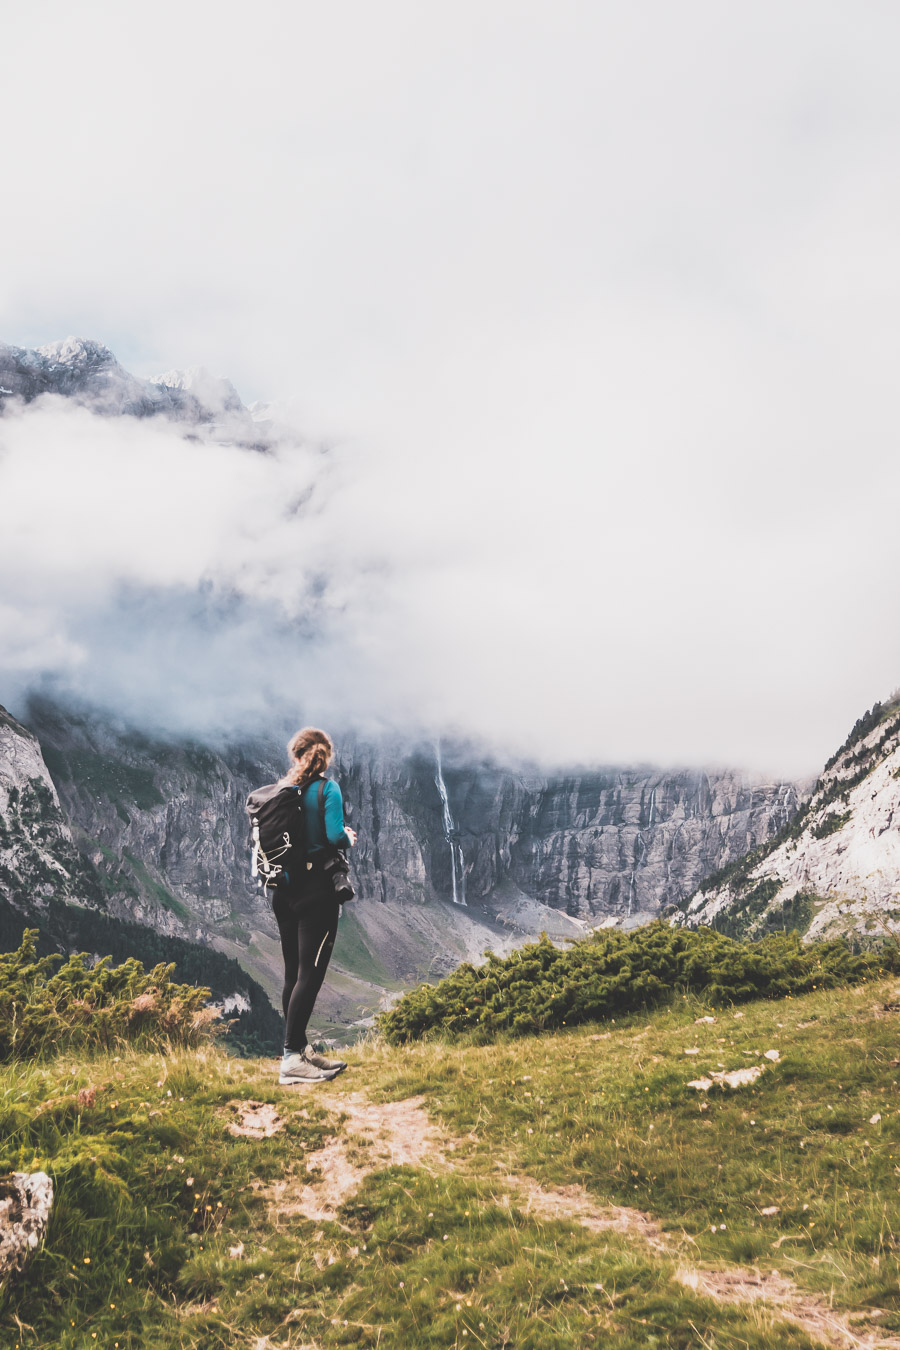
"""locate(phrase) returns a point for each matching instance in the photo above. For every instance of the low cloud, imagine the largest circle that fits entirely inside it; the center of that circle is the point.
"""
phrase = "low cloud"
(565, 606)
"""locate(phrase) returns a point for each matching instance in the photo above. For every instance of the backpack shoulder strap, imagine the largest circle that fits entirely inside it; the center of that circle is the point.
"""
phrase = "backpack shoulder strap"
(321, 808)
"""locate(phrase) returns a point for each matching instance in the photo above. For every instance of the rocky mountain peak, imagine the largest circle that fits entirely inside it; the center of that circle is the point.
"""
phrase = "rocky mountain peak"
(76, 352)
(87, 373)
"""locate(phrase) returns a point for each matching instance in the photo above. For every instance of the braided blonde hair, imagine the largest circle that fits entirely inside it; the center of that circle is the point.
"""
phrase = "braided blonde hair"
(312, 751)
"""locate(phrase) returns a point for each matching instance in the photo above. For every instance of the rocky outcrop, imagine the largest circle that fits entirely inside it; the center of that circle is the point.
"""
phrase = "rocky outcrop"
(26, 1199)
(835, 868)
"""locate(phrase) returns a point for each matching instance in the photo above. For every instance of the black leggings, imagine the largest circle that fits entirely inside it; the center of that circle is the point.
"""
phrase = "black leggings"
(307, 931)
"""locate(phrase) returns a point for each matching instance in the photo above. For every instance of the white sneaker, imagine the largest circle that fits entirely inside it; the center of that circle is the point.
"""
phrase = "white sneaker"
(320, 1062)
(296, 1069)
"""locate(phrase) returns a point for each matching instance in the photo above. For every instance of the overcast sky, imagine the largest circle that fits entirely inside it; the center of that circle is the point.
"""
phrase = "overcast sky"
(597, 304)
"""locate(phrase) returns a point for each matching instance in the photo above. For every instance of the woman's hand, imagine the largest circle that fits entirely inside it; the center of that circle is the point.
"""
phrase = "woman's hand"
(351, 835)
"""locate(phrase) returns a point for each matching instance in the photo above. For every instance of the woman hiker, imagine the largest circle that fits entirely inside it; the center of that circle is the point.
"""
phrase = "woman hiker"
(306, 906)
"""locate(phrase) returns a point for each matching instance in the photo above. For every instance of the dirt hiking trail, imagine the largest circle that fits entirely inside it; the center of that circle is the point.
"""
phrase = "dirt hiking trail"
(370, 1136)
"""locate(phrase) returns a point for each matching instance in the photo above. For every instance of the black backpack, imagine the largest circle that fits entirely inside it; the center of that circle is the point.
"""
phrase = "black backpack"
(277, 834)
(278, 840)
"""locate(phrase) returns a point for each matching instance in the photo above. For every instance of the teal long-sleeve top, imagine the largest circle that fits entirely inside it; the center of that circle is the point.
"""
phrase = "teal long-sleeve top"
(334, 816)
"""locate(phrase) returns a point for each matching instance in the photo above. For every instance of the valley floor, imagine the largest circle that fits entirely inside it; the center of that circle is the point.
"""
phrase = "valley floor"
(566, 1190)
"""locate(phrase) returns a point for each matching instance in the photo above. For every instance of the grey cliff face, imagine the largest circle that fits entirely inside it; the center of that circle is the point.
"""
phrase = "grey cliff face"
(164, 824)
(38, 857)
(614, 842)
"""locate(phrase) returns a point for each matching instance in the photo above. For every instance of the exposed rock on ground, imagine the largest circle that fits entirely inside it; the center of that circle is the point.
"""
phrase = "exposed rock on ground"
(734, 1079)
(26, 1199)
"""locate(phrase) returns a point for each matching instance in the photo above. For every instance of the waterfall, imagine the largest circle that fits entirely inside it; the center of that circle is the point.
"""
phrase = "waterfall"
(451, 834)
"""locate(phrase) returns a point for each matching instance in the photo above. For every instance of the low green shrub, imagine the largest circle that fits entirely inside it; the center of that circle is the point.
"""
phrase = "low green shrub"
(44, 1009)
(541, 987)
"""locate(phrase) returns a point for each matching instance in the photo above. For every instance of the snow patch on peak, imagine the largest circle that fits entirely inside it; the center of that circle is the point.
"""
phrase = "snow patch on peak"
(76, 351)
(212, 391)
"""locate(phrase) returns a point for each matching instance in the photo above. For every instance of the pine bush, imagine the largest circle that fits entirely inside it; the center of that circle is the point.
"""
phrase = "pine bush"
(44, 1009)
(541, 987)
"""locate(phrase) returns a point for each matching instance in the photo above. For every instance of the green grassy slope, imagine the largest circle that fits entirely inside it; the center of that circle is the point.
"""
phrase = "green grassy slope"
(153, 1192)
